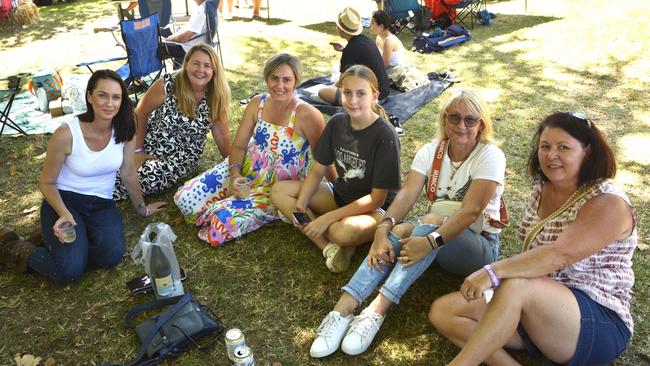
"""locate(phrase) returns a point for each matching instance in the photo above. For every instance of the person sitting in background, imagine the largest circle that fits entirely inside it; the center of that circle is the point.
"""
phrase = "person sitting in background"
(77, 181)
(179, 43)
(359, 50)
(174, 118)
(390, 47)
(471, 170)
(567, 295)
(272, 145)
(364, 149)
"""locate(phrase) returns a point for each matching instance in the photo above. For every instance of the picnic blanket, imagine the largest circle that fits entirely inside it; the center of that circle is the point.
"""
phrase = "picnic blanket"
(397, 103)
(25, 109)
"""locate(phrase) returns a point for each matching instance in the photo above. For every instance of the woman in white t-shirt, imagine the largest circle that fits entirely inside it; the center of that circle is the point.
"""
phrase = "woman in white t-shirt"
(473, 172)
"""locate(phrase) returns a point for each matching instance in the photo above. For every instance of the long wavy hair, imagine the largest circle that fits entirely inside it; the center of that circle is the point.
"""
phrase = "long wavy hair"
(218, 91)
(366, 74)
(475, 103)
(124, 121)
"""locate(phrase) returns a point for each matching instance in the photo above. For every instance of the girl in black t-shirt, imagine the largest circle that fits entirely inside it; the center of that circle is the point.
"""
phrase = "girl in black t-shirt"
(364, 150)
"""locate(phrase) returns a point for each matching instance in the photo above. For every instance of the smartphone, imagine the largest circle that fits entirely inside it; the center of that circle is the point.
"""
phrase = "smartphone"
(301, 218)
(142, 284)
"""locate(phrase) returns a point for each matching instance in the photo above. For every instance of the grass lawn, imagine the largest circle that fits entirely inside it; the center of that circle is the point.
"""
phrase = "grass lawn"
(273, 284)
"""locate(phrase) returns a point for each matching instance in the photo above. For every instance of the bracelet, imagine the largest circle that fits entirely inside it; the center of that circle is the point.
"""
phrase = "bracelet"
(146, 211)
(493, 276)
(234, 165)
(383, 225)
(389, 218)
(139, 149)
(430, 242)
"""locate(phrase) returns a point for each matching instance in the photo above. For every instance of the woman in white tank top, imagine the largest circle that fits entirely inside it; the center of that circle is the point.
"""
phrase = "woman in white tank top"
(390, 47)
(83, 157)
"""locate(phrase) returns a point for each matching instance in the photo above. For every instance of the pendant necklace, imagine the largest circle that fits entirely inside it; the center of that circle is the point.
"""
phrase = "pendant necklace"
(455, 166)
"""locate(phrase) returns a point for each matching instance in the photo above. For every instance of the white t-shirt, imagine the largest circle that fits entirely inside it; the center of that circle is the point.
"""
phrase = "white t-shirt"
(197, 25)
(486, 161)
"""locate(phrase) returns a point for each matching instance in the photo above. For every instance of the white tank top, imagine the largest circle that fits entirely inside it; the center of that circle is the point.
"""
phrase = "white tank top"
(90, 172)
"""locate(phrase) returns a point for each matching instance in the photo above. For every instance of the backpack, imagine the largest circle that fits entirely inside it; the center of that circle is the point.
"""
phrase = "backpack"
(454, 36)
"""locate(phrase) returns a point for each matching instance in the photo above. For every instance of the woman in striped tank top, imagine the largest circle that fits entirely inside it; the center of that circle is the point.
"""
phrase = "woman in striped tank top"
(567, 295)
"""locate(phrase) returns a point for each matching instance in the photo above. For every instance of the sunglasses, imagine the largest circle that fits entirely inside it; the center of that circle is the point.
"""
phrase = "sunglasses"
(581, 117)
(455, 118)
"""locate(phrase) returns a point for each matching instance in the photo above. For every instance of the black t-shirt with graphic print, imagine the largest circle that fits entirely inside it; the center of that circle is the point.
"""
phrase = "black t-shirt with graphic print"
(364, 159)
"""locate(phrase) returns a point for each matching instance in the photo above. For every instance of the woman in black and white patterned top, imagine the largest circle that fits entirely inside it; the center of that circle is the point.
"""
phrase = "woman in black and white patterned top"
(174, 118)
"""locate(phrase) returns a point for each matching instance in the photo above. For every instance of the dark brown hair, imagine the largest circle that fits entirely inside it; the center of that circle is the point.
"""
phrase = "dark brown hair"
(123, 123)
(599, 162)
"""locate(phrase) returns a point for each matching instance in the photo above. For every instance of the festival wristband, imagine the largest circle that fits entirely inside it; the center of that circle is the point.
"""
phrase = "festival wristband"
(234, 165)
(493, 276)
(139, 149)
(389, 218)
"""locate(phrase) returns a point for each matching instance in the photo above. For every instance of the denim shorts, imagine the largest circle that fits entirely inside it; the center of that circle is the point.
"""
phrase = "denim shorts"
(603, 334)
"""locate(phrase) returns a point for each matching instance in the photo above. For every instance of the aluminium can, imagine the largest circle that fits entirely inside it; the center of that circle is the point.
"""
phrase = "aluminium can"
(234, 339)
(244, 357)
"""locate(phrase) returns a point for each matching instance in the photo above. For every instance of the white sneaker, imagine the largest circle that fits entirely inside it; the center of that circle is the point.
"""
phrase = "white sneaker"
(337, 259)
(329, 334)
(362, 331)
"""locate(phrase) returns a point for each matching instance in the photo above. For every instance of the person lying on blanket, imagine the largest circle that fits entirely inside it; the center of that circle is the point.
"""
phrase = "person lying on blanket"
(360, 50)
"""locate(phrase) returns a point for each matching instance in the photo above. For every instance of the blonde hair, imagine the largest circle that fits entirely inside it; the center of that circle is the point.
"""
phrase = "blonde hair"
(280, 59)
(366, 74)
(476, 105)
(218, 91)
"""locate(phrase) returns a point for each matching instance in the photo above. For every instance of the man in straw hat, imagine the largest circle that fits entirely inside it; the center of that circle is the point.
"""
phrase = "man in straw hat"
(360, 50)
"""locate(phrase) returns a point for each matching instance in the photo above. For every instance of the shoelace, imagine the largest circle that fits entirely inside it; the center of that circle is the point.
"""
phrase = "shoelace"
(329, 324)
(361, 326)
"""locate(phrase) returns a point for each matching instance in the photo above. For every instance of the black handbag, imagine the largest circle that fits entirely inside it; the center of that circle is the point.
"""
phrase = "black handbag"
(170, 333)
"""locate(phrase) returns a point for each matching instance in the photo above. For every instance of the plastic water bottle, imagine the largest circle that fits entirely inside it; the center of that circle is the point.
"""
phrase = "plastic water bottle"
(41, 96)
(336, 72)
(161, 272)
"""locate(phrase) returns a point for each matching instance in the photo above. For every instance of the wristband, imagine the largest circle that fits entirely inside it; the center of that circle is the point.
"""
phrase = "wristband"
(146, 211)
(493, 276)
(389, 218)
(430, 242)
(139, 149)
(234, 165)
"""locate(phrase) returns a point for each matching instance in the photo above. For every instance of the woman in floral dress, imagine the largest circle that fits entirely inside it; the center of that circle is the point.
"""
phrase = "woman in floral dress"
(271, 144)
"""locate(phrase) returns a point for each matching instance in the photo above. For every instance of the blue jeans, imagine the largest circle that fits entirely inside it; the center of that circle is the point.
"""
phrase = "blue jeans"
(99, 243)
(463, 255)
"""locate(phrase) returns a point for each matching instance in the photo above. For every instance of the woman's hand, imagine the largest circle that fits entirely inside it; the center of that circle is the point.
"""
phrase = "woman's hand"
(381, 252)
(414, 248)
(56, 228)
(475, 284)
(296, 224)
(337, 46)
(152, 209)
(318, 227)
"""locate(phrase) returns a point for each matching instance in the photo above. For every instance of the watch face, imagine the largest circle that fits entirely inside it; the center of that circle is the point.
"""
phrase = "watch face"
(439, 240)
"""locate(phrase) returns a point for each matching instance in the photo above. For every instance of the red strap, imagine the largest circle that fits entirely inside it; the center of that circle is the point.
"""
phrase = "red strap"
(432, 186)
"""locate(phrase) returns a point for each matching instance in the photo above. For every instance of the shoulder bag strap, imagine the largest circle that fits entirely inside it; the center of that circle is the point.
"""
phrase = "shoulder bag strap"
(434, 175)
(575, 197)
(164, 318)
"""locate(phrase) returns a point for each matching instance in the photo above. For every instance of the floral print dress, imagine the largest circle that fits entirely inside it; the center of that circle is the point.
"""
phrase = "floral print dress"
(274, 153)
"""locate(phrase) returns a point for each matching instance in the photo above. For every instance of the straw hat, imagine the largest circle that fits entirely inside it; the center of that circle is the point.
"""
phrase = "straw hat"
(349, 21)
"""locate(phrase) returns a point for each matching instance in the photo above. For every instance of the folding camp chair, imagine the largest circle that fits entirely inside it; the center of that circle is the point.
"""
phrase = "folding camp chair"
(399, 9)
(212, 22)
(162, 7)
(141, 40)
(460, 10)
(7, 96)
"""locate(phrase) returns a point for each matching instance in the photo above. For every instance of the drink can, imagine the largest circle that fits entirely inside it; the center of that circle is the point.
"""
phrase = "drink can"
(244, 357)
(234, 339)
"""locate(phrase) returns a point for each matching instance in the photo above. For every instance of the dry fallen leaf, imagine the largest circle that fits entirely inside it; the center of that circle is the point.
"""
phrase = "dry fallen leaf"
(12, 169)
(30, 210)
(642, 246)
(50, 361)
(26, 360)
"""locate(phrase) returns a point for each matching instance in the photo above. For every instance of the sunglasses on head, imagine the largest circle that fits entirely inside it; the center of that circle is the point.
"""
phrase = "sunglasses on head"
(455, 118)
(581, 117)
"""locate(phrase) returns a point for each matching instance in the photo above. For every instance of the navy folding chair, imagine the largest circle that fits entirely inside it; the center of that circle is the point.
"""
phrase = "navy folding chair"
(466, 11)
(400, 8)
(162, 7)
(141, 40)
